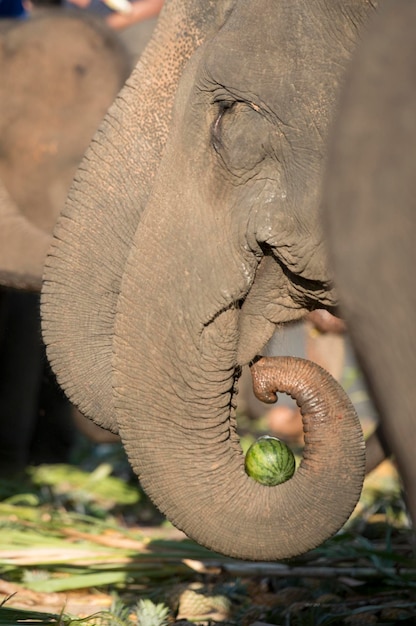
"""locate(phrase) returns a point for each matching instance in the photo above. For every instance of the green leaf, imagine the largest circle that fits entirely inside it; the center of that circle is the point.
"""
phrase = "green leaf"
(150, 614)
(78, 582)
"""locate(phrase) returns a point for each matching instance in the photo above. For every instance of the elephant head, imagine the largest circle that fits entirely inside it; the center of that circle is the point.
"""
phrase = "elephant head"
(59, 75)
(191, 230)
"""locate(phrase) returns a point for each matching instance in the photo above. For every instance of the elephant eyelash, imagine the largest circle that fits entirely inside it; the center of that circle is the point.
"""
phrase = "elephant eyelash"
(223, 107)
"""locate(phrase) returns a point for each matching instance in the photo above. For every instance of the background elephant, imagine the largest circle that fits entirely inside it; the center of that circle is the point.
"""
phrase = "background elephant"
(59, 74)
(370, 211)
(191, 230)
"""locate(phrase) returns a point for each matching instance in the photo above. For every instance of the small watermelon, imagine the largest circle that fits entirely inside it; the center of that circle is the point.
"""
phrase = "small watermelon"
(270, 461)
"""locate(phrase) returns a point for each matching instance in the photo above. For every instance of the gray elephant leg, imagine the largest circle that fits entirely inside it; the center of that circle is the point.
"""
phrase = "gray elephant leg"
(54, 434)
(20, 377)
(36, 424)
(377, 449)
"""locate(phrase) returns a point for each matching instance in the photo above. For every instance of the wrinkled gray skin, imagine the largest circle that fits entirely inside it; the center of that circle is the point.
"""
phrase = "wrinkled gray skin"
(370, 211)
(191, 230)
(59, 74)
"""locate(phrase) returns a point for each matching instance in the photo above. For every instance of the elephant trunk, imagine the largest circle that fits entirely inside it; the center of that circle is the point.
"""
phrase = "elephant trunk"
(177, 329)
(183, 442)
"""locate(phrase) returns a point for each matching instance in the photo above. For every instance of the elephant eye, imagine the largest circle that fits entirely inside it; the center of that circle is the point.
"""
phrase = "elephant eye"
(223, 108)
(240, 136)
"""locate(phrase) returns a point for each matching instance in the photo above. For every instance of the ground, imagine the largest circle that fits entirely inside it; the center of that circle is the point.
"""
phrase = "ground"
(82, 541)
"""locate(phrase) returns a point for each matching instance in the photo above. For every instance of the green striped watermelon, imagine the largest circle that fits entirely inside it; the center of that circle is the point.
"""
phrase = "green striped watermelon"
(270, 461)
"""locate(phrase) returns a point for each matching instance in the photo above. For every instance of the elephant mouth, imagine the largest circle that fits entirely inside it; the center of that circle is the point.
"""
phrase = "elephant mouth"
(311, 294)
(252, 337)
(276, 296)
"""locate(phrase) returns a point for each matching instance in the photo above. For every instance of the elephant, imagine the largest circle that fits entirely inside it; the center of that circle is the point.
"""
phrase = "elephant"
(369, 208)
(191, 230)
(59, 74)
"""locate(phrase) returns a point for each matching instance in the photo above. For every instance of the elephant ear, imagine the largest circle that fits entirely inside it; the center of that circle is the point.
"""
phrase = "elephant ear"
(21, 264)
(94, 233)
